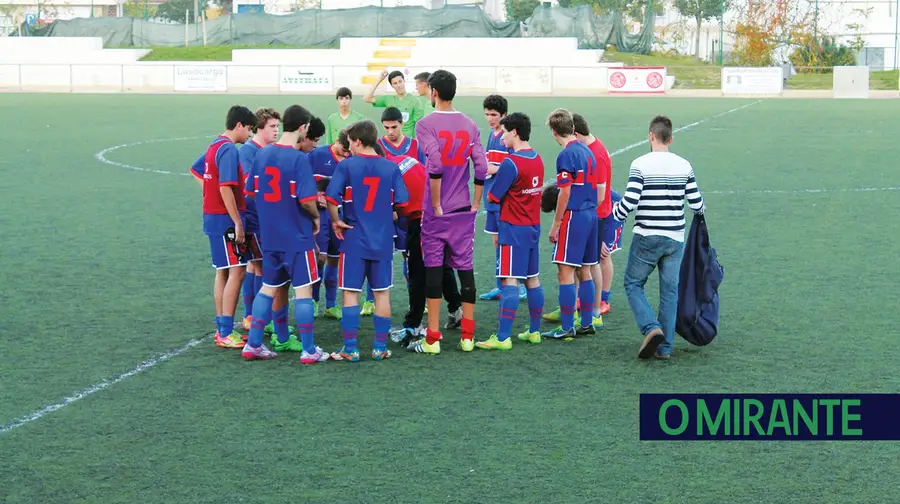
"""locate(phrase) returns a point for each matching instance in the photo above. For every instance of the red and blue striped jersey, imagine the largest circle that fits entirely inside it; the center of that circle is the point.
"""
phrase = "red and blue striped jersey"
(409, 147)
(576, 167)
(517, 190)
(368, 186)
(282, 180)
(221, 167)
(495, 152)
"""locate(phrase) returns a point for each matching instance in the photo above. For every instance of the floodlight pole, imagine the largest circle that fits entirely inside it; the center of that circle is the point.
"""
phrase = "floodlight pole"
(722, 30)
(816, 25)
(896, 39)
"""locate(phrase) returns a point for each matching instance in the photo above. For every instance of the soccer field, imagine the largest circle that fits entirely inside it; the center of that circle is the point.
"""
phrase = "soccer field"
(113, 391)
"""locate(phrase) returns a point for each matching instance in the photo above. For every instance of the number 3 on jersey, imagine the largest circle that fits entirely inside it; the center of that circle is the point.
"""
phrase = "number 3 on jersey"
(274, 184)
(457, 156)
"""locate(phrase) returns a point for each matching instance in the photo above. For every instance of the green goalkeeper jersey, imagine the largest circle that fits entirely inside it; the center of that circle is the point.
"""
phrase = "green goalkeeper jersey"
(336, 123)
(409, 106)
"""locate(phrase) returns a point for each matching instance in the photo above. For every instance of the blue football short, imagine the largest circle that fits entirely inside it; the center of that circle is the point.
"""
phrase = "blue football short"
(612, 233)
(228, 254)
(491, 223)
(251, 218)
(578, 242)
(353, 271)
(297, 268)
(518, 262)
(326, 240)
(400, 234)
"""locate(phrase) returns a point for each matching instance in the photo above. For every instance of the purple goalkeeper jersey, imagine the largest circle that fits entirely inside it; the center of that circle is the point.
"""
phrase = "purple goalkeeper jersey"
(450, 141)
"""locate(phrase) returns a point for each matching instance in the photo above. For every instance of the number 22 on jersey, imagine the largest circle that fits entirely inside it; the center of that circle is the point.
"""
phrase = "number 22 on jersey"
(456, 147)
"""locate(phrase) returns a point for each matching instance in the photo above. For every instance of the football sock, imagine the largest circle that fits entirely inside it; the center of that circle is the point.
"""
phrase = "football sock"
(330, 286)
(509, 303)
(280, 319)
(497, 259)
(567, 305)
(262, 312)
(467, 329)
(317, 287)
(432, 337)
(350, 326)
(248, 293)
(604, 296)
(535, 307)
(258, 284)
(382, 328)
(219, 326)
(303, 312)
(226, 326)
(586, 297)
(370, 296)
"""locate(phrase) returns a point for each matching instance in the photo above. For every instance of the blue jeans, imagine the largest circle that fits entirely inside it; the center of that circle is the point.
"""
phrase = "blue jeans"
(646, 254)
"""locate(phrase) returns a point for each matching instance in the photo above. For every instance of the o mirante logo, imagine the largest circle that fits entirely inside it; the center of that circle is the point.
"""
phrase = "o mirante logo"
(769, 417)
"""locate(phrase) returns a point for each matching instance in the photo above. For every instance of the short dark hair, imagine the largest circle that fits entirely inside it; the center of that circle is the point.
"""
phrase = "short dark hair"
(444, 83)
(392, 114)
(378, 149)
(519, 122)
(295, 117)
(342, 92)
(239, 114)
(365, 131)
(549, 197)
(560, 121)
(423, 76)
(316, 128)
(394, 74)
(661, 128)
(581, 125)
(343, 140)
(496, 102)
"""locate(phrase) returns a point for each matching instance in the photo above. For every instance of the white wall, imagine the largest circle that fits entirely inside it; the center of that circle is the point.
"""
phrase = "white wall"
(239, 78)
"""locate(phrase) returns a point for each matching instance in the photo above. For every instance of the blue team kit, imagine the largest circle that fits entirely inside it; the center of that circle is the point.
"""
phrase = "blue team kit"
(282, 182)
(578, 243)
(368, 187)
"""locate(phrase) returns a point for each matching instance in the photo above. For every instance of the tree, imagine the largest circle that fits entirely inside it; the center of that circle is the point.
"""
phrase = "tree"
(138, 8)
(766, 25)
(700, 10)
(520, 10)
(173, 10)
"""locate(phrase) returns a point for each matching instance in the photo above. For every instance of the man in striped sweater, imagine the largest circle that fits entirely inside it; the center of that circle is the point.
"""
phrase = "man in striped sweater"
(658, 184)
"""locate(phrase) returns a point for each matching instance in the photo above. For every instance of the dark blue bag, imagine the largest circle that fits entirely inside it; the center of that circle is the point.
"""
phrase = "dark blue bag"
(698, 286)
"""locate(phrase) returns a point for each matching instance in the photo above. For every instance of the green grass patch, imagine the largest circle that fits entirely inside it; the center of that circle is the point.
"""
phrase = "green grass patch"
(689, 72)
(206, 53)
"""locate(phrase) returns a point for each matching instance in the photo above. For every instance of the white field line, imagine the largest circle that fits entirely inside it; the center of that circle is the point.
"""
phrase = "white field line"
(81, 394)
(101, 156)
(684, 128)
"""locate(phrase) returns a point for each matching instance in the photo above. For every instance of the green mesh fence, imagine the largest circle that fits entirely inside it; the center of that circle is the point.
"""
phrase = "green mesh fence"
(314, 27)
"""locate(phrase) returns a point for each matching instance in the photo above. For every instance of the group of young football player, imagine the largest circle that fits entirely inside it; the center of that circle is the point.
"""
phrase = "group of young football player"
(278, 210)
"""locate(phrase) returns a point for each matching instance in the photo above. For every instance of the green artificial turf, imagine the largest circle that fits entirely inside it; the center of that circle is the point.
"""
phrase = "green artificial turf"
(105, 267)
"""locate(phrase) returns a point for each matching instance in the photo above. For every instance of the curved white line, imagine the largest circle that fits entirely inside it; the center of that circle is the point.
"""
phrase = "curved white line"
(101, 156)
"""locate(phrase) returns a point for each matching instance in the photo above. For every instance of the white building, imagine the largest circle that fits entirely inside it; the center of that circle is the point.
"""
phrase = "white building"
(875, 21)
(15, 11)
